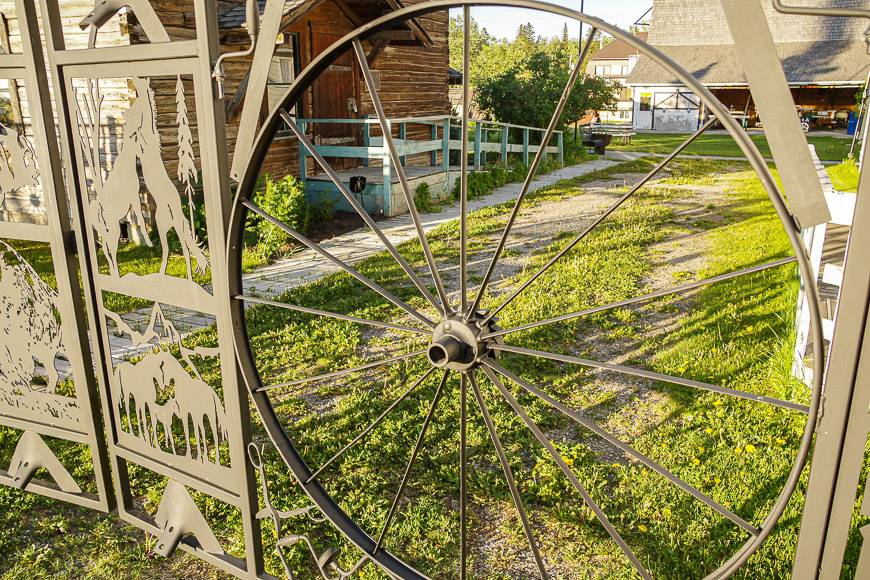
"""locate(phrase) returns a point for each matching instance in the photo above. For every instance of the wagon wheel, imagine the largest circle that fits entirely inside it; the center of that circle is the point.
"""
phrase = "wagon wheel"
(464, 340)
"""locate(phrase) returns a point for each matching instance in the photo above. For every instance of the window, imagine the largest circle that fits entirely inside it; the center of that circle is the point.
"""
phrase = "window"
(645, 101)
(624, 70)
(282, 72)
(601, 70)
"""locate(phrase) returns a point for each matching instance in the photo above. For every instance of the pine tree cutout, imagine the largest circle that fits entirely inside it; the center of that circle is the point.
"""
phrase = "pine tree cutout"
(187, 172)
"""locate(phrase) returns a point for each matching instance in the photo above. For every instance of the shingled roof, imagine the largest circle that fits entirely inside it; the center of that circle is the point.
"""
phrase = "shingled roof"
(813, 49)
(618, 49)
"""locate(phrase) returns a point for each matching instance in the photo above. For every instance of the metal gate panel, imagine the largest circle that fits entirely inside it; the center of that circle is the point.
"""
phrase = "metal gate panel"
(47, 384)
(171, 397)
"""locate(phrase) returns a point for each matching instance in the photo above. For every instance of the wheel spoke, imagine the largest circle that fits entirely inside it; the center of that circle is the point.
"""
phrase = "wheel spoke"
(463, 460)
(312, 150)
(509, 476)
(626, 370)
(337, 374)
(324, 313)
(545, 141)
(400, 172)
(645, 297)
(600, 219)
(349, 269)
(557, 457)
(371, 427)
(625, 448)
(463, 163)
(411, 460)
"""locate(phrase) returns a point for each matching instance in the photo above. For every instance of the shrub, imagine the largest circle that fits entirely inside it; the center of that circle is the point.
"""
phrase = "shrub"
(423, 198)
(285, 200)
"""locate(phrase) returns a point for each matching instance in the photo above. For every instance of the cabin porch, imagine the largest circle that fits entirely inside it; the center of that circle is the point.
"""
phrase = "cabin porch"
(430, 149)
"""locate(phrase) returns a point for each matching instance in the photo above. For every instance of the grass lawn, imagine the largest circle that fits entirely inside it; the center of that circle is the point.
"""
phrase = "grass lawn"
(827, 148)
(845, 175)
(738, 334)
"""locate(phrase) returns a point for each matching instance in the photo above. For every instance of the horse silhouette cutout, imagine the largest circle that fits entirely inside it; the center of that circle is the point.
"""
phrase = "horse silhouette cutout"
(17, 163)
(104, 10)
(118, 197)
(139, 386)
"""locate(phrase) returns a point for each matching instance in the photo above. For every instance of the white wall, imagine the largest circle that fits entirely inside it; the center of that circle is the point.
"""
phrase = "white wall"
(666, 120)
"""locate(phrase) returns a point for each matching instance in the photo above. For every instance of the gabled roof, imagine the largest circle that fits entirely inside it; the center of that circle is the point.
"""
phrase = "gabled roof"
(813, 49)
(618, 50)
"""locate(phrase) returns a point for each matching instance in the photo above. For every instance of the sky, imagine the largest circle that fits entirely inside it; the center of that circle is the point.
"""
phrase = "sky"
(503, 22)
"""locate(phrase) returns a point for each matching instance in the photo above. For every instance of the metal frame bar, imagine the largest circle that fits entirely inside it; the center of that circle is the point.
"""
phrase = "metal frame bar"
(236, 485)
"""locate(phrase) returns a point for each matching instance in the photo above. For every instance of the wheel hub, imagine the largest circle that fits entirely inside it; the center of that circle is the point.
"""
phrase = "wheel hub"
(457, 344)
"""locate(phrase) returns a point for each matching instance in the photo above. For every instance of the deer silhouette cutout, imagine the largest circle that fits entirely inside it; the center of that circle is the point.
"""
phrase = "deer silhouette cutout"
(104, 10)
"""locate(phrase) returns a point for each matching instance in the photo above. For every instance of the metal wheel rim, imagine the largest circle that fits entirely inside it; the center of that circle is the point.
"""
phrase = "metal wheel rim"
(250, 374)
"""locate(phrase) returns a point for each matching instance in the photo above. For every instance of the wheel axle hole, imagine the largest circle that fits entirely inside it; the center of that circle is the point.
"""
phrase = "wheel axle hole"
(437, 355)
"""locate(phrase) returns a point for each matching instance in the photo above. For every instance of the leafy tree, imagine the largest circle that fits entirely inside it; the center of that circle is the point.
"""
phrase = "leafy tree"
(528, 94)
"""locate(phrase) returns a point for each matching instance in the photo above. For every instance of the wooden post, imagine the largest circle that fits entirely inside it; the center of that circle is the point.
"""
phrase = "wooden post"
(478, 135)
(303, 155)
(543, 149)
(526, 146)
(387, 173)
(367, 138)
(403, 134)
(433, 157)
(445, 145)
(445, 154)
(560, 140)
(504, 143)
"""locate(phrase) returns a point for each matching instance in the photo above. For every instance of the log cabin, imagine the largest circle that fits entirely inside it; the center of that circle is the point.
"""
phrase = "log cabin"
(409, 64)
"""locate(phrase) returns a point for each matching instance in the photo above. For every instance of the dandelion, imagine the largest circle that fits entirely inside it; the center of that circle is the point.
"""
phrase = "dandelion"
(568, 461)
(717, 403)
(738, 450)
(696, 461)
(666, 512)
(717, 480)
(750, 448)
(616, 466)
(642, 528)
(708, 431)
(780, 441)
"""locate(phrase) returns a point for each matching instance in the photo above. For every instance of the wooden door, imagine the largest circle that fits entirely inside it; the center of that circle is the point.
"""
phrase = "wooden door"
(336, 96)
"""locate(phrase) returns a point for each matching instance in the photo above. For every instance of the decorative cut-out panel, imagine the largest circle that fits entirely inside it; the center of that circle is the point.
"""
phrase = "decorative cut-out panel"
(163, 405)
(36, 382)
(47, 385)
(147, 172)
(141, 172)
